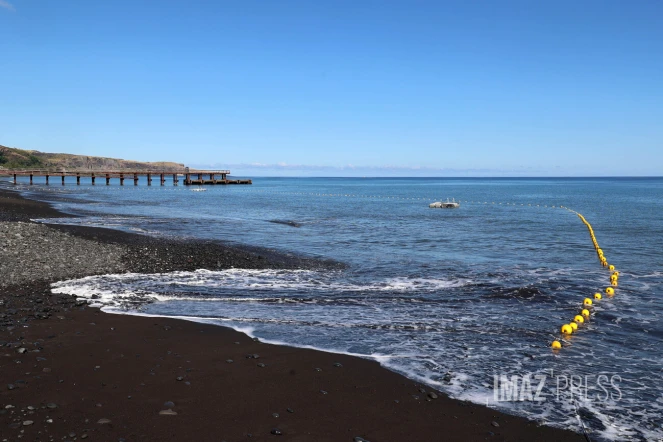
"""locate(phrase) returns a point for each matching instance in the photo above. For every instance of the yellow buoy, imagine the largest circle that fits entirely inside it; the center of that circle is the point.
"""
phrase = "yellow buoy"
(597, 296)
(574, 326)
(610, 291)
(587, 302)
(616, 273)
(599, 251)
(579, 319)
(556, 345)
(614, 283)
(585, 313)
(612, 267)
(566, 329)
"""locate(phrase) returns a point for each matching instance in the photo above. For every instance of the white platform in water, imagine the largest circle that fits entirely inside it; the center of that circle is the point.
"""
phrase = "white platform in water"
(444, 205)
(200, 189)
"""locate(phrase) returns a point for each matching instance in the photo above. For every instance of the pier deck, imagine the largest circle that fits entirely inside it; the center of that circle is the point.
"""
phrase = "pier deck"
(189, 176)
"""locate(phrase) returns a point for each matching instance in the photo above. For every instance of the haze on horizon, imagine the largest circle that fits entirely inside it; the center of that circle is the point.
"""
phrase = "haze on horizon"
(340, 88)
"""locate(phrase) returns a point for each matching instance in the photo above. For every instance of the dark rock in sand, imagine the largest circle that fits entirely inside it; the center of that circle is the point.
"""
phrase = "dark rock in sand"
(338, 364)
(289, 410)
(169, 404)
(432, 395)
(276, 432)
(494, 424)
(11, 386)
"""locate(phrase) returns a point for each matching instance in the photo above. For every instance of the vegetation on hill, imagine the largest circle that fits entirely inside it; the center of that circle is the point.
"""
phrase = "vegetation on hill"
(12, 158)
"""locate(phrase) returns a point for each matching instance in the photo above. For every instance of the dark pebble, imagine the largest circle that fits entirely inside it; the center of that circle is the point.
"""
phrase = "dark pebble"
(338, 364)
(289, 410)
(276, 432)
(230, 361)
(432, 395)
(169, 404)
(179, 378)
(51, 405)
(11, 386)
(261, 365)
(323, 392)
(494, 424)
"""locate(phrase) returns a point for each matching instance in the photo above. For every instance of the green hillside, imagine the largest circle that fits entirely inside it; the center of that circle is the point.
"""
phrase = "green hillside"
(12, 158)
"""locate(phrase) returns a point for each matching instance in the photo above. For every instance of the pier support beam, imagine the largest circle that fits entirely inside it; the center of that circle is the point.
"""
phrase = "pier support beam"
(108, 179)
(121, 179)
(135, 179)
(31, 179)
(47, 179)
(78, 179)
(14, 178)
(162, 177)
(93, 177)
(63, 179)
(175, 180)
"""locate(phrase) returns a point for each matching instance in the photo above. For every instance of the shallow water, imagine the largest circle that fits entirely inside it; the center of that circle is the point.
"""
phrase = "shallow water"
(448, 297)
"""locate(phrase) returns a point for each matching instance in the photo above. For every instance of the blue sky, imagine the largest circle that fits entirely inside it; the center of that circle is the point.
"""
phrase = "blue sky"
(340, 87)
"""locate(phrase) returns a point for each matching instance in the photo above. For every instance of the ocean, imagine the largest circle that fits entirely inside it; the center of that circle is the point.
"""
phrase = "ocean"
(466, 300)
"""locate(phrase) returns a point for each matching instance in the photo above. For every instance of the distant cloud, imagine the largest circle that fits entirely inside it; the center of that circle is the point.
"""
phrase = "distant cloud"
(284, 169)
(5, 4)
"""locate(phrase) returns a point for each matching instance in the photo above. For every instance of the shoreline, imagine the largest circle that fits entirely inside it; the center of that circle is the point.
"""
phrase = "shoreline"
(125, 368)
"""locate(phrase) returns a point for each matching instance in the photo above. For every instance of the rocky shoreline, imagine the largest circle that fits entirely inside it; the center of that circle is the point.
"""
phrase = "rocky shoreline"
(71, 372)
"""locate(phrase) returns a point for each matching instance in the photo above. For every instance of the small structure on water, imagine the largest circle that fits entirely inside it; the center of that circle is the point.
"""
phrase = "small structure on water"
(445, 205)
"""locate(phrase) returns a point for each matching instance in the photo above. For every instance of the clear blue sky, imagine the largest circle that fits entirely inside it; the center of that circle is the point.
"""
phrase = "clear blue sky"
(340, 87)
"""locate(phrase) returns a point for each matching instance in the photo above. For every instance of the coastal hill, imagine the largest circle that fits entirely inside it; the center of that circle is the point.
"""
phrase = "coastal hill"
(12, 158)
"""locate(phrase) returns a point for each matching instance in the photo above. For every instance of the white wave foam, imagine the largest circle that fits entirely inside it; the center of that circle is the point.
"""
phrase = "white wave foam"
(160, 286)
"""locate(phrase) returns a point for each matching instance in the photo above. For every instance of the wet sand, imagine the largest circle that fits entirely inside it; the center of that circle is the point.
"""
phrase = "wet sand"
(90, 375)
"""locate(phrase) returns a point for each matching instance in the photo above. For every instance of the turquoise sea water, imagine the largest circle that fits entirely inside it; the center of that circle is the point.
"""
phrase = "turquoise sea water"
(449, 297)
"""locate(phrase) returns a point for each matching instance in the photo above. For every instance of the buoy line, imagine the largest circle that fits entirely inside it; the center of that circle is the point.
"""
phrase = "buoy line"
(587, 304)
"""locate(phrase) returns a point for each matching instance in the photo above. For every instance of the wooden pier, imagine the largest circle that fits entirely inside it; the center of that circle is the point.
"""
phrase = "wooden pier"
(189, 176)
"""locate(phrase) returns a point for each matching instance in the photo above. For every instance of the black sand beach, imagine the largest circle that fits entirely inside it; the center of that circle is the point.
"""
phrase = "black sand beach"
(71, 372)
